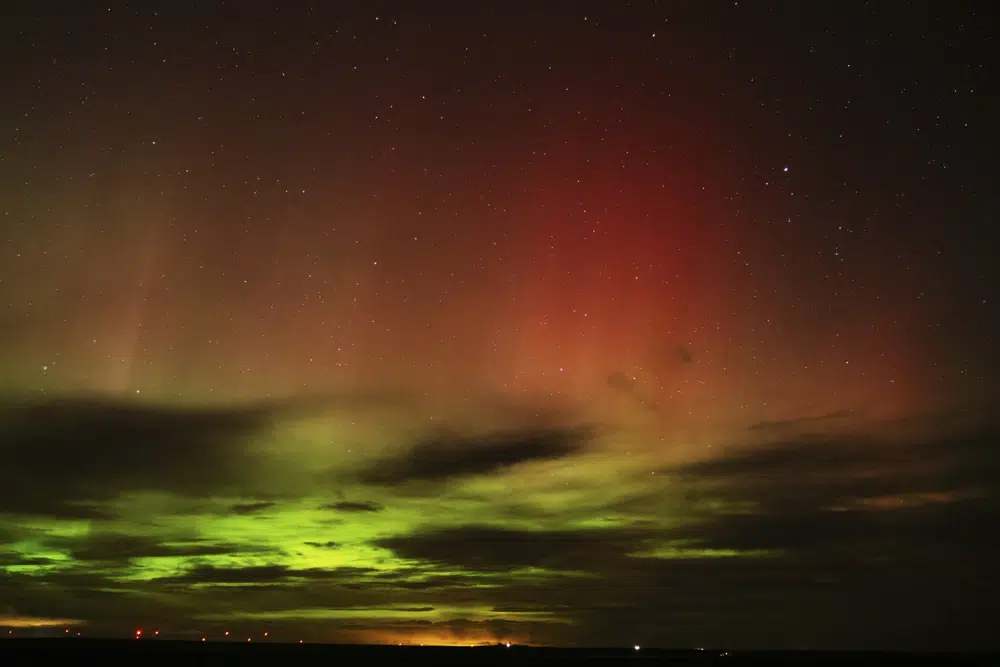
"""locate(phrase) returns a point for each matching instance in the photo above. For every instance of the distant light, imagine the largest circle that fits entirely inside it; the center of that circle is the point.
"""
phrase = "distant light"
(300, 641)
(508, 644)
(156, 633)
(265, 634)
(227, 633)
(248, 639)
(637, 647)
(202, 639)
(785, 169)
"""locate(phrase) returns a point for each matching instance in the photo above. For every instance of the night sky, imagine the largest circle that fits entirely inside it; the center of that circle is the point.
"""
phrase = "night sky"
(614, 323)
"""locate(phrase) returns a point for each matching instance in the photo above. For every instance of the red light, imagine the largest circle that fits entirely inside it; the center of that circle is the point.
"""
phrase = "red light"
(202, 639)
(248, 639)
(265, 634)
(227, 633)
(156, 633)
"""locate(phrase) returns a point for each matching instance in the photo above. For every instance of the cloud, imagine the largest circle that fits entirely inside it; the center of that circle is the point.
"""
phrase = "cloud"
(791, 424)
(354, 506)
(621, 382)
(258, 574)
(63, 456)
(482, 548)
(118, 548)
(252, 508)
(858, 495)
(448, 456)
(628, 386)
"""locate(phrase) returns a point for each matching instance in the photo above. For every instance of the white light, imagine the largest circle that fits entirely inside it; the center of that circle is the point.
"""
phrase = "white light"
(637, 647)
(508, 644)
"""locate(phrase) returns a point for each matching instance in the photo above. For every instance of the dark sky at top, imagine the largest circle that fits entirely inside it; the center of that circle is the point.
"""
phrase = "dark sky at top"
(556, 322)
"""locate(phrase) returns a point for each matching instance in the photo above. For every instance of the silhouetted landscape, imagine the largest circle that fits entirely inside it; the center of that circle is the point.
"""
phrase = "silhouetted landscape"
(92, 652)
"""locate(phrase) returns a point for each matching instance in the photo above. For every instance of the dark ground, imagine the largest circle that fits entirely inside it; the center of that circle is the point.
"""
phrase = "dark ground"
(145, 653)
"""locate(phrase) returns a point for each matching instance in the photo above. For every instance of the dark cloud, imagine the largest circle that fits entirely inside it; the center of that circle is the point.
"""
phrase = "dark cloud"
(8, 558)
(323, 545)
(861, 495)
(785, 425)
(116, 548)
(628, 386)
(252, 508)
(494, 549)
(63, 456)
(260, 574)
(447, 456)
(416, 579)
(621, 382)
(958, 461)
(355, 506)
